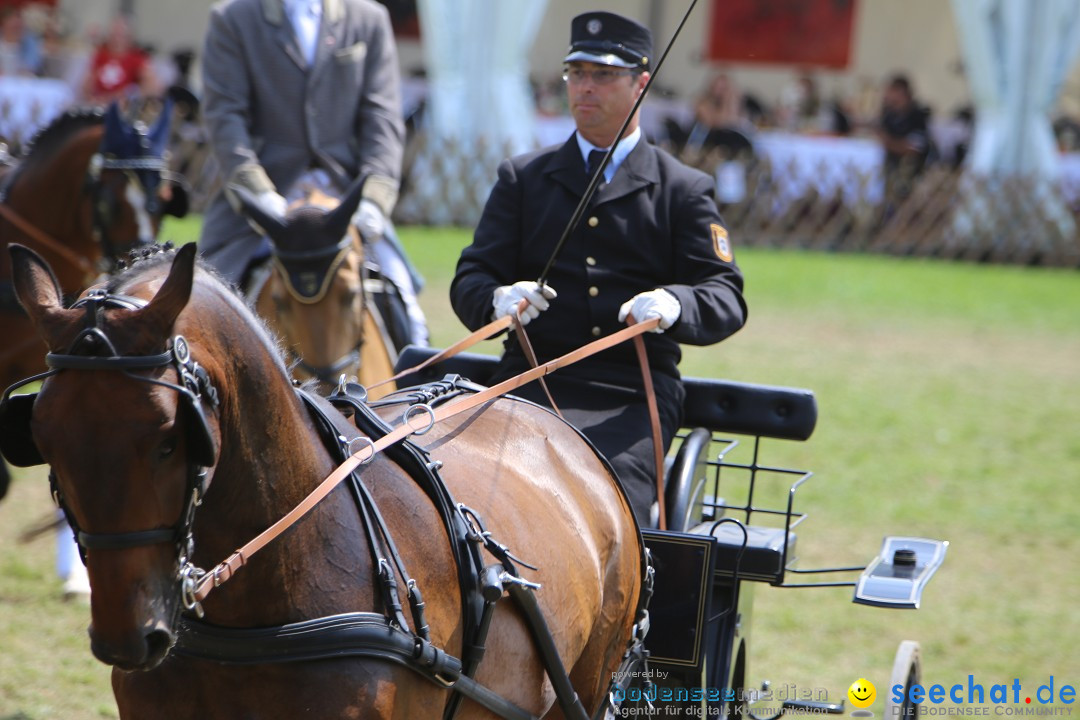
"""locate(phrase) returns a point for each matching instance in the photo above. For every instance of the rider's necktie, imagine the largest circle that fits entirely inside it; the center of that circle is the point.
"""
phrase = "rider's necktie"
(595, 158)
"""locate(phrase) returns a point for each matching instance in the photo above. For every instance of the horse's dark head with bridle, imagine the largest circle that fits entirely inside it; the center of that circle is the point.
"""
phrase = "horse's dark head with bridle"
(313, 295)
(124, 181)
(85, 194)
(171, 426)
(90, 183)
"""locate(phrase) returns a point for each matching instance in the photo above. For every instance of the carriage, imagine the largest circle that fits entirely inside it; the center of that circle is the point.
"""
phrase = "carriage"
(721, 539)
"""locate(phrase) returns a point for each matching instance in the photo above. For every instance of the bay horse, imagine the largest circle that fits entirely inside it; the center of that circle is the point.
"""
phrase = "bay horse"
(313, 293)
(175, 434)
(84, 194)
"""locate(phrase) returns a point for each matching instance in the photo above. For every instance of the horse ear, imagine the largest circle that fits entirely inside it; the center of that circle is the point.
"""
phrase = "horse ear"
(271, 224)
(158, 135)
(116, 130)
(338, 220)
(174, 293)
(35, 284)
(39, 293)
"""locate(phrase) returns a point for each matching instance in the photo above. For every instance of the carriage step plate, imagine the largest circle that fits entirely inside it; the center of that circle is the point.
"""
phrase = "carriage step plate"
(897, 576)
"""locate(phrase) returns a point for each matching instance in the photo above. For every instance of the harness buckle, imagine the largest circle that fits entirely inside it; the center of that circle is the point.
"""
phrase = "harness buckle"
(189, 580)
(407, 416)
(370, 446)
(508, 579)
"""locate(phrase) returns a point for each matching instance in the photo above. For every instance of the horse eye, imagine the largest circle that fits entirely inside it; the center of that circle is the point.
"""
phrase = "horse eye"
(168, 447)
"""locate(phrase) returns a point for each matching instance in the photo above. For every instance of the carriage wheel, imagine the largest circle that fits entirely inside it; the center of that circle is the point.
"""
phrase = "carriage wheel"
(686, 481)
(906, 672)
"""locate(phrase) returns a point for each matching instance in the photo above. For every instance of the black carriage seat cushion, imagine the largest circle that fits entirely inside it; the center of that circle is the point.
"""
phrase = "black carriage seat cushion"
(718, 405)
(763, 559)
(749, 409)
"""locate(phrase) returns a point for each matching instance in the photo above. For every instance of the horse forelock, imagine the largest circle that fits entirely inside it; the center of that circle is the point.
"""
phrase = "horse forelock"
(156, 261)
(47, 140)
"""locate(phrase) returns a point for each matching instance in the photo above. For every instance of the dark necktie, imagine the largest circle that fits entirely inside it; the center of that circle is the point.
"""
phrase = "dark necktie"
(595, 158)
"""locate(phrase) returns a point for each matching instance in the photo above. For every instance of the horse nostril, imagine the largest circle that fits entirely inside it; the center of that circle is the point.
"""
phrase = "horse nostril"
(158, 644)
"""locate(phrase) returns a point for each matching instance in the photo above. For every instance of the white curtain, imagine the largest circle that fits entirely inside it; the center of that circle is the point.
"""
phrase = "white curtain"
(480, 105)
(1016, 55)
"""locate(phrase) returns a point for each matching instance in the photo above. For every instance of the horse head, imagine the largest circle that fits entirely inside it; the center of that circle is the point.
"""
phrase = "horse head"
(125, 181)
(126, 421)
(314, 296)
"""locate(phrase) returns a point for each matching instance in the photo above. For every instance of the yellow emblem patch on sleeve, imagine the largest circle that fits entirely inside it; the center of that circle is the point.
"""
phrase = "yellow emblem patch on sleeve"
(720, 242)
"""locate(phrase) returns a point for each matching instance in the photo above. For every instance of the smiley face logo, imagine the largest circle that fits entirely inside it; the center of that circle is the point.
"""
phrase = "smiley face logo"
(862, 693)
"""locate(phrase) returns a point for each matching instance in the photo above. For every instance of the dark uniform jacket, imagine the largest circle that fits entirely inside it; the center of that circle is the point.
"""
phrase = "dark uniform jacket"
(655, 225)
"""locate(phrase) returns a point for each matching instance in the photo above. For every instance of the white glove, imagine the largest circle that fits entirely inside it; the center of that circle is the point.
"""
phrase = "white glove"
(369, 220)
(506, 299)
(652, 304)
(272, 203)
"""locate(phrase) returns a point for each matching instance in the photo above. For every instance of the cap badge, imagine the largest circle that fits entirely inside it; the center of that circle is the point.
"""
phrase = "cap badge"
(594, 26)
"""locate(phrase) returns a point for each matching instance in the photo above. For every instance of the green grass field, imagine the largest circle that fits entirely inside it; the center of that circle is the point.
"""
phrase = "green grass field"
(949, 406)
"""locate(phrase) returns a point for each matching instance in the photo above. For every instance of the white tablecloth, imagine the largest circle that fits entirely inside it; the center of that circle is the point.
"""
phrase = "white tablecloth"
(27, 104)
(852, 166)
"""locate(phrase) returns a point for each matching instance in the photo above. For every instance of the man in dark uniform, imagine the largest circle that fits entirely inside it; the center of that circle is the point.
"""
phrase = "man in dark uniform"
(651, 243)
(905, 135)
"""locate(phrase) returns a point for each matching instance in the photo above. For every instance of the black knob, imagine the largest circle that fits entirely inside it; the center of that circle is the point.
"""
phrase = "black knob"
(904, 558)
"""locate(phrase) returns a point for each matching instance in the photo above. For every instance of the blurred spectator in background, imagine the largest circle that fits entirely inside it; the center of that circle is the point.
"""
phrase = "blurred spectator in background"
(720, 120)
(905, 136)
(865, 105)
(20, 50)
(1067, 134)
(119, 67)
(56, 56)
(803, 110)
(721, 105)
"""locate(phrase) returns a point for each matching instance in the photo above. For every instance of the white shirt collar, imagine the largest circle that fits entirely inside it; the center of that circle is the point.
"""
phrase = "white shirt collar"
(623, 149)
(295, 6)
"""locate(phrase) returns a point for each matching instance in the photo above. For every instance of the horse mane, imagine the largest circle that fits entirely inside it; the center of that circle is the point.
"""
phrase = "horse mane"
(159, 257)
(46, 140)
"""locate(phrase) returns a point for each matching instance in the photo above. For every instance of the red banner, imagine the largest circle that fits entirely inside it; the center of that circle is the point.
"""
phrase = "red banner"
(812, 33)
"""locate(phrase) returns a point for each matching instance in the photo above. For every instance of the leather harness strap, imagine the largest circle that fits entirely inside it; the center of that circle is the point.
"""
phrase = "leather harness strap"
(530, 354)
(492, 328)
(654, 421)
(225, 570)
(43, 238)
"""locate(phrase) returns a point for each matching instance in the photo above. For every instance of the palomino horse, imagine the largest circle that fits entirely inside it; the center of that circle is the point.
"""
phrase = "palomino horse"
(84, 195)
(175, 435)
(313, 293)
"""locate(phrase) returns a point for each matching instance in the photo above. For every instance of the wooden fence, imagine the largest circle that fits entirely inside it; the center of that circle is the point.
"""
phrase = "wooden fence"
(942, 212)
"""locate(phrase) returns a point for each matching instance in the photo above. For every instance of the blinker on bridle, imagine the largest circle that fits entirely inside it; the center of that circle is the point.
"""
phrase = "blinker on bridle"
(194, 387)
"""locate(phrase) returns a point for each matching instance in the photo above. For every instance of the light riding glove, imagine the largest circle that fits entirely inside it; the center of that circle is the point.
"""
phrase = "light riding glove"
(269, 203)
(369, 220)
(272, 203)
(506, 299)
(652, 304)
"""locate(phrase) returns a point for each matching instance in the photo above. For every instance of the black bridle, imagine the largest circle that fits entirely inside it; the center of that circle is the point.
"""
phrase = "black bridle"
(194, 388)
(145, 171)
